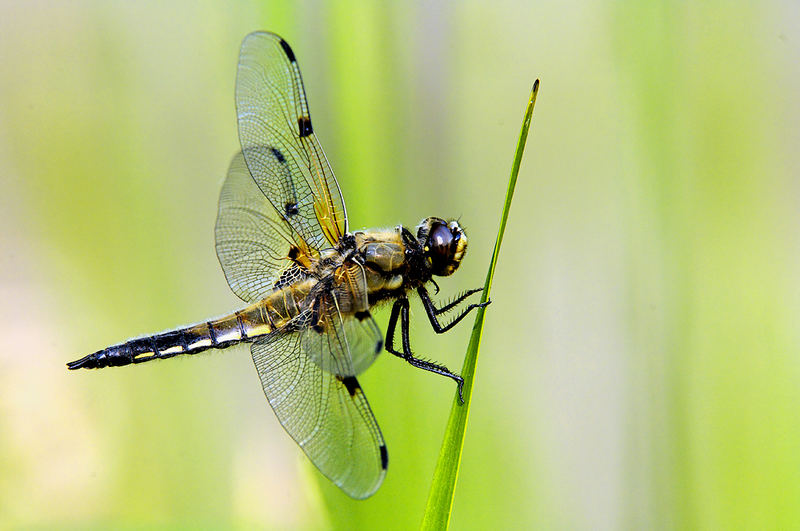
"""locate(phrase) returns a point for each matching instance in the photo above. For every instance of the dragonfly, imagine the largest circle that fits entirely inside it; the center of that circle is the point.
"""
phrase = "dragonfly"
(283, 240)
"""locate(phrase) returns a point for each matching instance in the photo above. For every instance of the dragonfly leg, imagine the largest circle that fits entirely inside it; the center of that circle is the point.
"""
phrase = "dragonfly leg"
(400, 311)
(433, 311)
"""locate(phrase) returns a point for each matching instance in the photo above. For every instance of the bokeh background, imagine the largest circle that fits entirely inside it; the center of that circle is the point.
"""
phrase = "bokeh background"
(641, 361)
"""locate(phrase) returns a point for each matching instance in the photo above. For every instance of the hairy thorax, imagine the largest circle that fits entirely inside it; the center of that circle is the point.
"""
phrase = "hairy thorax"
(384, 254)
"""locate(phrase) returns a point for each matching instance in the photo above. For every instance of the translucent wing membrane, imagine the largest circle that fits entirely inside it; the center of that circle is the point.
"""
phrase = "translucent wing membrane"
(352, 336)
(307, 369)
(326, 414)
(345, 346)
(279, 145)
(280, 206)
(252, 238)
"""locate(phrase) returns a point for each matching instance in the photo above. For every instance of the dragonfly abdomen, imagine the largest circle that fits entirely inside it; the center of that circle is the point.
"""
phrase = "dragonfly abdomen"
(248, 324)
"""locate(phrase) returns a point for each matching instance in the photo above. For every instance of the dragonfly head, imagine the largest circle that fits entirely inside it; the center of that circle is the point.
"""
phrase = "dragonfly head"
(444, 244)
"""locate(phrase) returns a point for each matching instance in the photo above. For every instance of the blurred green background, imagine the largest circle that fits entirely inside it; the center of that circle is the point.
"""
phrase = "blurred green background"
(640, 367)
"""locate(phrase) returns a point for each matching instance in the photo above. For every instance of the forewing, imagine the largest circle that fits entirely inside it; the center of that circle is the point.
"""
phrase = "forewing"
(288, 163)
(326, 414)
(253, 241)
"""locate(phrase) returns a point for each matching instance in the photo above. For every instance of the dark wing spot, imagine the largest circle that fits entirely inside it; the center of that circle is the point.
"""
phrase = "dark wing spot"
(384, 457)
(350, 383)
(318, 328)
(277, 154)
(289, 275)
(291, 209)
(304, 124)
(288, 51)
(294, 252)
(361, 315)
(379, 346)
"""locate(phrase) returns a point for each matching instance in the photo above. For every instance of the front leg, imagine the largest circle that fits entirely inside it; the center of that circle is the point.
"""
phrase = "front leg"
(455, 302)
(433, 311)
(400, 311)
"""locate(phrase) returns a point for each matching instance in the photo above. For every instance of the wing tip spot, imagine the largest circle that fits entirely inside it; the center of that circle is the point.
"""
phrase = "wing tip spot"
(288, 50)
(350, 383)
(384, 457)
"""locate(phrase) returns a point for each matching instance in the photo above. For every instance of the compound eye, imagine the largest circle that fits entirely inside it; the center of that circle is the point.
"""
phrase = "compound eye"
(440, 242)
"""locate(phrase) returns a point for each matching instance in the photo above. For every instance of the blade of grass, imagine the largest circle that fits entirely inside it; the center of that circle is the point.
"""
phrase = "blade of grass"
(440, 498)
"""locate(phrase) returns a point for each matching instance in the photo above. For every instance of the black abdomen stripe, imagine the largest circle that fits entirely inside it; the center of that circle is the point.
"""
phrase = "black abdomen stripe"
(189, 340)
(246, 325)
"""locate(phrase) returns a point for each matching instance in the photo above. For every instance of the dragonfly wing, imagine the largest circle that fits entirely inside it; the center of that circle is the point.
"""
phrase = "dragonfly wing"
(352, 339)
(280, 206)
(326, 414)
(279, 144)
(253, 241)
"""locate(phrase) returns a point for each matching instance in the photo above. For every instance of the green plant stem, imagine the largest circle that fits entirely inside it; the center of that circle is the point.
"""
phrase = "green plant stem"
(440, 498)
